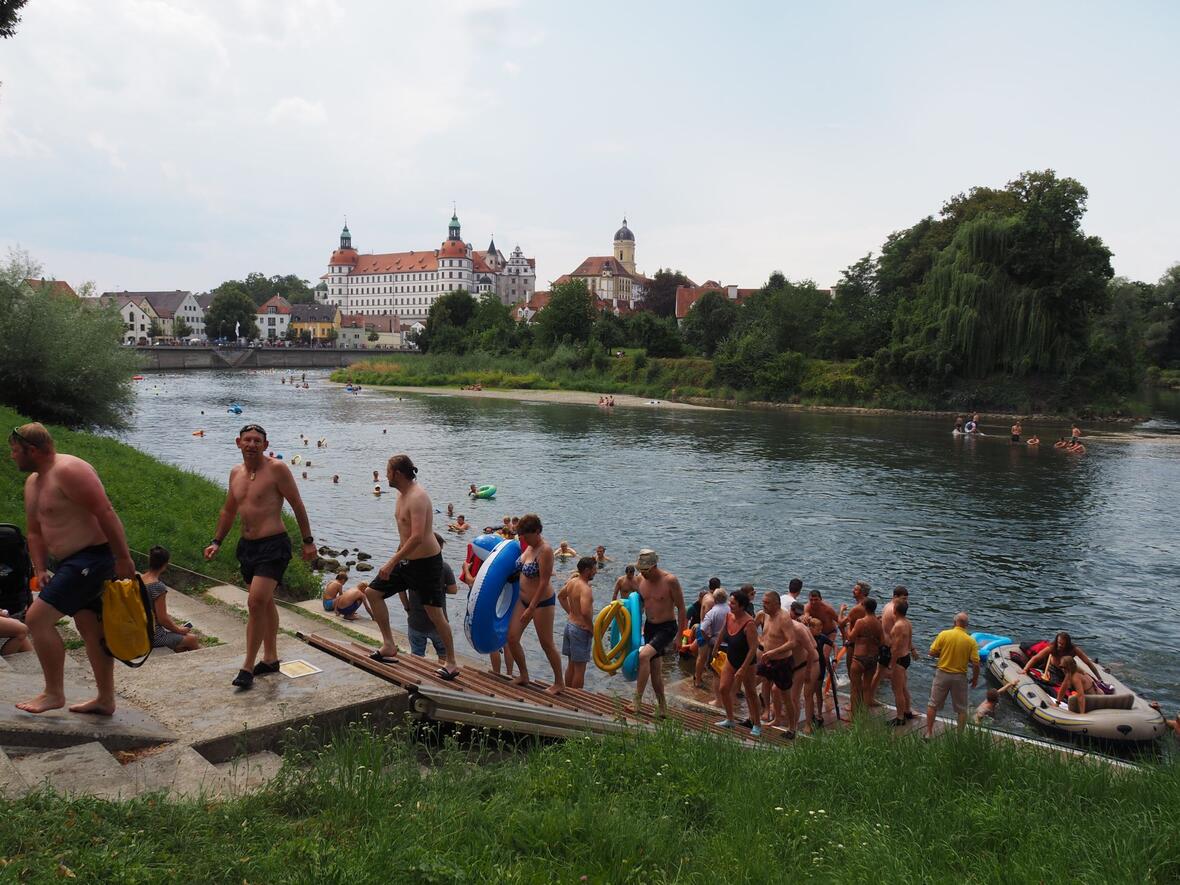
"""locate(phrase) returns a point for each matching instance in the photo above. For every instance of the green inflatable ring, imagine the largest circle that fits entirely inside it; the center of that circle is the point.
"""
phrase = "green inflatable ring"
(485, 492)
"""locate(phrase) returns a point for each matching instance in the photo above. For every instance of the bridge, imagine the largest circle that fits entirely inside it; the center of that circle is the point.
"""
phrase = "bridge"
(173, 358)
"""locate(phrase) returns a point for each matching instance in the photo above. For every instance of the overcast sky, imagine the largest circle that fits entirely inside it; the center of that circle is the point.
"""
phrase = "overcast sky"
(160, 145)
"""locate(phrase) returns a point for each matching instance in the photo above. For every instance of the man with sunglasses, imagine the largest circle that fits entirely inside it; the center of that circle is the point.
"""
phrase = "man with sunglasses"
(71, 520)
(257, 488)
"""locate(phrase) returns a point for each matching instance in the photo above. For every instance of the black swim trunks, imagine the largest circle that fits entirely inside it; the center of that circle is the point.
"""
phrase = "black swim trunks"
(904, 663)
(77, 580)
(884, 656)
(422, 577)
(780, 671)
(1016, 437)
(264, 557)
(660, 635)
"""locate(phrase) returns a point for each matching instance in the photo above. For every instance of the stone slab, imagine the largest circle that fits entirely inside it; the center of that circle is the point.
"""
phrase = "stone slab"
(249, 773)
(129, 729)
(191, 694)
(179, 771)
(87, 769)
(26, 662)
(12, 785)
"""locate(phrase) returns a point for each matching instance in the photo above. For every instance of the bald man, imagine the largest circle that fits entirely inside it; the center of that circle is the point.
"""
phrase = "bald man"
(955, 649)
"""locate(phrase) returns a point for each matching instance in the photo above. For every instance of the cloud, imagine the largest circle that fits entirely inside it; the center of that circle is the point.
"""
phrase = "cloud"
(511, 68)
(105, 146)
(299, 111)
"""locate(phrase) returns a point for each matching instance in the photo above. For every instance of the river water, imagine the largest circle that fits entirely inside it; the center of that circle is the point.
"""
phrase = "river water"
(1028, 541)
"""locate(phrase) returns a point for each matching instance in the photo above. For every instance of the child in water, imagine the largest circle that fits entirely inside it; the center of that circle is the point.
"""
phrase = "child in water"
(988, 708)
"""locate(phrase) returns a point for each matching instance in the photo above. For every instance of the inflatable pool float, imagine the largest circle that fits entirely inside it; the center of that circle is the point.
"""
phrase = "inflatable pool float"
(198, 433)
(718, 662)
(492, 598)
(631, 660)
(297, 459)
(688, 642)
(988, 641)
(615, 620)
(137, 377)
(1122, 716)
(234, 410)
(487, 492)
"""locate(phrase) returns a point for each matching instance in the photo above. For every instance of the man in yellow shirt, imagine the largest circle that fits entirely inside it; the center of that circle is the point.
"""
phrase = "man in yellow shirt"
(954, 649)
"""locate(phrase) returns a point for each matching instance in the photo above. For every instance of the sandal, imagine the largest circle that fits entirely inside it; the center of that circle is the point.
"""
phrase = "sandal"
(244, 679)
(262, 668)
(446, 675)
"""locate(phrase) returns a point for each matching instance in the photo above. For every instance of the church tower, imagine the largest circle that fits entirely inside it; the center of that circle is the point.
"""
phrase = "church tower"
(624, 249)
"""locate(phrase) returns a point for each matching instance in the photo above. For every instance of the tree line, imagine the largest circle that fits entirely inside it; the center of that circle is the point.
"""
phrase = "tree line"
(1001, 288)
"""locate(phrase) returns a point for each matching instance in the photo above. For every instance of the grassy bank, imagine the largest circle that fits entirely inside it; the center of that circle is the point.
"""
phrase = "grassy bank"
(819, 383)
(158, 503)
(850, 807)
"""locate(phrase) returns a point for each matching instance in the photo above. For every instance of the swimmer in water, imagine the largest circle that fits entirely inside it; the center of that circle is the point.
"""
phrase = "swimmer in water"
(335, 477)
(1033, 440)
(377, 491)
(565, 551)
(459, 525)
(473, 491)
(375, 479)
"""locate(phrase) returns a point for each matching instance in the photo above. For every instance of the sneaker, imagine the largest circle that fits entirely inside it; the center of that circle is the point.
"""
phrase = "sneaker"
(244, 679)
(756, 731)
(724, 723)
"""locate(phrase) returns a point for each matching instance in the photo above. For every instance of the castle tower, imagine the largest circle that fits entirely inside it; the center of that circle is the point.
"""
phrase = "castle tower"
(624, 248)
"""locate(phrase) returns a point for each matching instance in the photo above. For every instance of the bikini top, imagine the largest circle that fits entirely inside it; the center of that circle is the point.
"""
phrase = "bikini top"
(529, 569)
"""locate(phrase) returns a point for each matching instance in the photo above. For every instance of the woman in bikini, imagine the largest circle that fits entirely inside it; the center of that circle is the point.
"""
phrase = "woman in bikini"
(536, 602)
(1053, 655)
(741, 637)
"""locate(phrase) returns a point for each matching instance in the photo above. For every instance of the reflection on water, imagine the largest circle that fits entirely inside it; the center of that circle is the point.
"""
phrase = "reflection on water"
(1027, 541)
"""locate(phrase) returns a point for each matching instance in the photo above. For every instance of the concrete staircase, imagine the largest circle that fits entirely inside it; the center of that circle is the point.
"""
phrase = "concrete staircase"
(179, 728)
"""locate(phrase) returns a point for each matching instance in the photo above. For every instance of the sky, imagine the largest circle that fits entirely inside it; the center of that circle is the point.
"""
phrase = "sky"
(174, 144)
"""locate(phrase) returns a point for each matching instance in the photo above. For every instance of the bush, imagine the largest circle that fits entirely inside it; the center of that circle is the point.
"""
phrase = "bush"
(62, 360)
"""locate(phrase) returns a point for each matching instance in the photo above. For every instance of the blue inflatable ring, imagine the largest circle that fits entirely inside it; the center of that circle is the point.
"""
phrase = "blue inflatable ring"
(631, 662)
(988, 641)
(492, 598)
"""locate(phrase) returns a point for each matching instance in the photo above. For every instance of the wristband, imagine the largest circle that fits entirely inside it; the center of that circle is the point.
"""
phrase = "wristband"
(309, 540)
(216, 542)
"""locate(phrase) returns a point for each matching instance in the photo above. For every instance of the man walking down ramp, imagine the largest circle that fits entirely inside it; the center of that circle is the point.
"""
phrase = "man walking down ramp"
(257, 488)
(954, 648)
(664, 610)
(70, 519)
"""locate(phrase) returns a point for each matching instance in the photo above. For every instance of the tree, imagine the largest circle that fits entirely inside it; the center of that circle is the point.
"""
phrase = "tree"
(62, 359)
(569, 315)
(260, 288)
(154, 330)
(858, 321)
(446, 323)
(656, 335)
(10, 16)
(231, 307)
(659, 294)
(181, 329)
(709, 322)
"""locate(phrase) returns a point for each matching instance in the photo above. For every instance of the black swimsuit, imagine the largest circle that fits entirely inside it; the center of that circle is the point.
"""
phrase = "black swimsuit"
(738, 647)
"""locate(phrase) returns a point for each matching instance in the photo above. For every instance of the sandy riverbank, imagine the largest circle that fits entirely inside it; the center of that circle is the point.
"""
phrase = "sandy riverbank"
(569, 397)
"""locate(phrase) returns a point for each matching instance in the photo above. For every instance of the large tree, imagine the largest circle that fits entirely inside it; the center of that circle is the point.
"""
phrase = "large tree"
(446, 323)
(709, 322)
(10, 16)
(231, 308)
(569, 315)
(260, 288)
(659, 294)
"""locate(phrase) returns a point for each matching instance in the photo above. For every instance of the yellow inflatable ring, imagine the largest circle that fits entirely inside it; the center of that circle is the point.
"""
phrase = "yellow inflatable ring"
(611, 660)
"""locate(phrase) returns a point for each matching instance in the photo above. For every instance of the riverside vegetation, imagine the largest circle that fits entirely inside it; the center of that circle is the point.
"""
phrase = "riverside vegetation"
(659, 807)
(1002, 301)
(158, 503)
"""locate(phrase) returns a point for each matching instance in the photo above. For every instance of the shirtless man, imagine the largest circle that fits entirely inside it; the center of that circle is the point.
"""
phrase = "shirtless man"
(460, 525)
(626, 584)
(824, 613)
(777, 663)
(600, 556)
(69, 518)
(577, 599)
(1017, 430)
(848, 618)
(801, 695)
(257, 488)
(415, 567)
(901, 645)
(884, 670)
(661, 594)
(866, 638)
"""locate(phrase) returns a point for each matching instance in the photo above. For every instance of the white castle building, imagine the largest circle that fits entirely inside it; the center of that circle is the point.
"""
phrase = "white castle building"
(408, 283)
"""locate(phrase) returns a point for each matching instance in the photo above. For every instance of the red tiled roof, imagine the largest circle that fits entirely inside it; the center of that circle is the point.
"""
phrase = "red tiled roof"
(479, 263)
(395, 262)
(384, 322)
(278, 302)
(56, 287)
(538, 301)
(687, 296)
(343, 256)
(596, 265)
(453, 249)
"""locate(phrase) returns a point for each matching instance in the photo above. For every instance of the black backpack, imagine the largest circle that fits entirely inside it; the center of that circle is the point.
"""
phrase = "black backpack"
(16, 571)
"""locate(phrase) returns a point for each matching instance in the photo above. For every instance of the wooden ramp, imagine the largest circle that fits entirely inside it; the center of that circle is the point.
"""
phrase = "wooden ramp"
(482, 698)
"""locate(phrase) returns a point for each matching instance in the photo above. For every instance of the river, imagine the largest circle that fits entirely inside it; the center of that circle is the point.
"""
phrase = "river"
(1028, 541)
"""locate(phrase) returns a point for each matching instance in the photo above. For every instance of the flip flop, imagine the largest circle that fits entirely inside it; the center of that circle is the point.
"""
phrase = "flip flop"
(382, 659)
(446, 675)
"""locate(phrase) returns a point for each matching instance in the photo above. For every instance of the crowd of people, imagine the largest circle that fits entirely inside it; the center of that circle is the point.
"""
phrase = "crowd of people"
(972, 427)
(777, 658)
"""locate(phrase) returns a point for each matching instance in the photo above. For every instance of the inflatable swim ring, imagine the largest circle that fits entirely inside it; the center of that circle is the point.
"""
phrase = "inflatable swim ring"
(688, 642)
(492, 598)
(297, 459)
(988, 641)
(198, 433)
(615, 618)
(485, 492)
(718, 662)
(137, 377)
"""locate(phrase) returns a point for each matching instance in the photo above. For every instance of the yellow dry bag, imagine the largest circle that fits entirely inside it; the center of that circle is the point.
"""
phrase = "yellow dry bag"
(128, 621)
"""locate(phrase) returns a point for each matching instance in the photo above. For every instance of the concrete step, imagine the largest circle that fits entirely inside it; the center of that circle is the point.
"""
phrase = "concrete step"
(249, 773)
(180, 772)
(26, 662)
(12, 785)
(84, 770)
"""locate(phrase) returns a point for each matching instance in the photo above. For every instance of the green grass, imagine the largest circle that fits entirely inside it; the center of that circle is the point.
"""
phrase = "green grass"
(855, 806)
(158, 503)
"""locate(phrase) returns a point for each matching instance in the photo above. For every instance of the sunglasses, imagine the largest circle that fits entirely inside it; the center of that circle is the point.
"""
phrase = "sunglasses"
(255, 427)
(17, 437)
